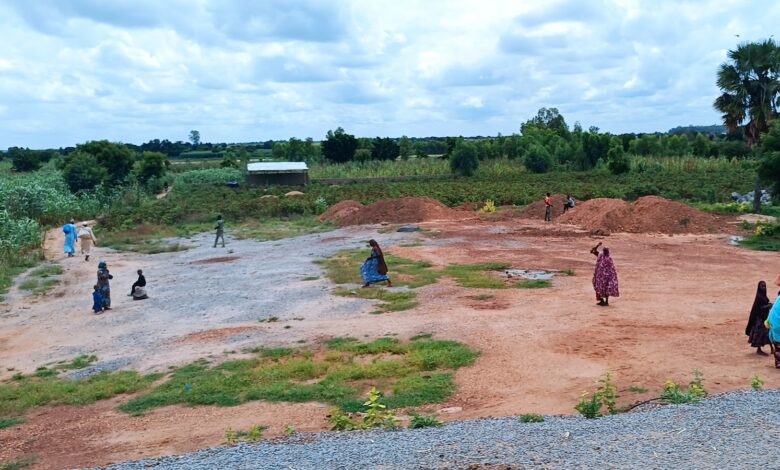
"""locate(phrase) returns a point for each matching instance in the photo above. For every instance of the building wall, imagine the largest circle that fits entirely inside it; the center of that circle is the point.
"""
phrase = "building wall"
(280, 179)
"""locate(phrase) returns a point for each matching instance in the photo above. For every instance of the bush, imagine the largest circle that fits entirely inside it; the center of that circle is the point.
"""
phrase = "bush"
(537, 159)
(23, 159)
(116, 158)
(152, 166)
(384, 149)
(464, 159)
(617, 161)
(734, 149)
(82, 172)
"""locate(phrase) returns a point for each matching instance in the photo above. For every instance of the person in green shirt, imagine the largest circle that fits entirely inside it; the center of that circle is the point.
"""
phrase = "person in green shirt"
(220, 227)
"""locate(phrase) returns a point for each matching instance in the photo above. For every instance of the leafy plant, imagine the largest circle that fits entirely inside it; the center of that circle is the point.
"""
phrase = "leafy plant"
(532, 418)
(489, 206)
(589, 406)
(424, 421)
(674, 394)
(320, 205)
(607, 393)
(290, 430)
(757, 383)
(377, 416)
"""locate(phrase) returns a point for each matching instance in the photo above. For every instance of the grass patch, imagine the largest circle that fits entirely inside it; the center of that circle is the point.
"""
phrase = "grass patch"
(29, 284)
(43, 388)
(569, 272)
(18, 464)
(532, 418)
(13, 266)
(475, 276)
(147, 239)
(422, 336)
(310, 278)
(267, 229)
(761, 243)
(10, 422)
(47, 271)
(391, 301)
(409, 374)
(533, 284)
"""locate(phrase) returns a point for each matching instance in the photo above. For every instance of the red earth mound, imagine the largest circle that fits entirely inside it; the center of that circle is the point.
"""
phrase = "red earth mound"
(340, 210)
(535, 210)
(394, 211)
(650, 214)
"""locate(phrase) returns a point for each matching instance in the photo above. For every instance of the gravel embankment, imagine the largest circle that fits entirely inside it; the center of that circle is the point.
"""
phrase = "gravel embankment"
(734, 430)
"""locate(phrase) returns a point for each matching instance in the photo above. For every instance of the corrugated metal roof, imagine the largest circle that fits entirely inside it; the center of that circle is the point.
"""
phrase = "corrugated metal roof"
(276, 167)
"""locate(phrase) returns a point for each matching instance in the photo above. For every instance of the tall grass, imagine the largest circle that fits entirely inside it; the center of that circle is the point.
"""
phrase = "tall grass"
(384, 168)
(685, 163)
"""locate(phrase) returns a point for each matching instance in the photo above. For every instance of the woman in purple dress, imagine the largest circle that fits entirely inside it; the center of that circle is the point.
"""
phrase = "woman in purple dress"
(605, 280)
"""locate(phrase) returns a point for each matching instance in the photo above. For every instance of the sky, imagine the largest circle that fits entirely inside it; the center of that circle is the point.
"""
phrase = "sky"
(253, 70)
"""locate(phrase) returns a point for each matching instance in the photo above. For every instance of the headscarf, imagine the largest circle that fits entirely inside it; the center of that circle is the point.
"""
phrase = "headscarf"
(605, 280)
(382, 267)
(758, 311)
(102, 265)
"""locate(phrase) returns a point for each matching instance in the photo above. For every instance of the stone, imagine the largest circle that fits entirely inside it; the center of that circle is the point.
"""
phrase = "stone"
(408, 228)
(294, 194)
(269, 196)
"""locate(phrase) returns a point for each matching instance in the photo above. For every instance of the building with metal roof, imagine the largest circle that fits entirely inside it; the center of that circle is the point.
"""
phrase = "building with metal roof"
(277, 173)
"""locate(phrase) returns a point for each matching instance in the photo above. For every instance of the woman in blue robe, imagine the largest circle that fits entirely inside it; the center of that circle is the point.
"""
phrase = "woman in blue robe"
(374, 269)
(71, 237)
(103, 281)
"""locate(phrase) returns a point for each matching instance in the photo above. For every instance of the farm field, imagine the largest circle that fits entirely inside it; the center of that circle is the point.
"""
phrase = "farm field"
(537, 349)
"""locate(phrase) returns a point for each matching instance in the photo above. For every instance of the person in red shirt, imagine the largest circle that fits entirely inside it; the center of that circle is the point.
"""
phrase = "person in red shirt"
(548, 208)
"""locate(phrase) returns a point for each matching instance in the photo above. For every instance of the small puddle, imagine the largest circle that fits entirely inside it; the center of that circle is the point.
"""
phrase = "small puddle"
(529, 274)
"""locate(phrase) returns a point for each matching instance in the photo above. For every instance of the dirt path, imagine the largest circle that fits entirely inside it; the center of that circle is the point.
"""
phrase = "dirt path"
(684, 304)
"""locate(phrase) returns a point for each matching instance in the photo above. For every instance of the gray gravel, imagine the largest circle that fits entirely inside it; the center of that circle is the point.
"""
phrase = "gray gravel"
(734, 430)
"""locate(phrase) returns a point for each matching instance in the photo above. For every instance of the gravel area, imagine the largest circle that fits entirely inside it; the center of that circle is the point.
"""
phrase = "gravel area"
(734, 430)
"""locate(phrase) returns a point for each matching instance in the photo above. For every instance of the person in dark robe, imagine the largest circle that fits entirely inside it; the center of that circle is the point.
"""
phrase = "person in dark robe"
(756, 331)
(374, 269)
(141, 282)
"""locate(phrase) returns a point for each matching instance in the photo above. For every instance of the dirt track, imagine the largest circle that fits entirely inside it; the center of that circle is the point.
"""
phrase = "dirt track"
(685, 301)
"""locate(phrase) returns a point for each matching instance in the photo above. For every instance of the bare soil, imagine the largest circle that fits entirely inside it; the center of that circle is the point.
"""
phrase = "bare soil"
(685, 300)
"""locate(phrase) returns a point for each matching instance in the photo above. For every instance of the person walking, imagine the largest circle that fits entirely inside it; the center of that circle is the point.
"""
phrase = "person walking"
(103, 281)
(141, 282)
(756, 331)
(86, 239)
(548, 208)
(220, 228)
(71, 237)
(605, 280)
(772, 323)
(374, 268)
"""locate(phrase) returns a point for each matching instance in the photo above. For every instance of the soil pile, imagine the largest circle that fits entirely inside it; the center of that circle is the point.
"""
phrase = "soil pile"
(535, 210)
(611, 215)
(650, 214)
(340, 210)
(394, 211)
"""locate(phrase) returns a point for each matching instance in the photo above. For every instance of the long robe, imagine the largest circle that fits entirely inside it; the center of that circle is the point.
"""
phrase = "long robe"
(374, 269)
(605, 280)
(71, 236)
(757, 333)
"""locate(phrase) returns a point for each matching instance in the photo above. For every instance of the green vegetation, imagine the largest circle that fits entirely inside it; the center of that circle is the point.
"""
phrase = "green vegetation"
(10, 422)
(413, 374)
(532, 418)
(424, 421)
(276, 229)
(254, 434)
(766, 237)
(47, 271)
(757, 383)
(42, 389)
(391, 301)
(19, 464)
(376, 415)
(533, 284)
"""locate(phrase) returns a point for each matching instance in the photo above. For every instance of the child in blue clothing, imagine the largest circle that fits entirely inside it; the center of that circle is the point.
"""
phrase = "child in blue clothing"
(97, 301)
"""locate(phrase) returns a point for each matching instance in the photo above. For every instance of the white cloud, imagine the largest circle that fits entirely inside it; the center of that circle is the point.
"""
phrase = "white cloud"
(249, 70)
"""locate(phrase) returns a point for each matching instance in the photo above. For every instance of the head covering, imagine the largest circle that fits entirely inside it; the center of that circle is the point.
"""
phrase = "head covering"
(72, 220)
(102, 265)
(85, 224)
(759, 310)
(606, 251)
(382, 265)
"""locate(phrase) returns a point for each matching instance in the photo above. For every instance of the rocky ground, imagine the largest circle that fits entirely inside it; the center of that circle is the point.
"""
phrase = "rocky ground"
(734, 430)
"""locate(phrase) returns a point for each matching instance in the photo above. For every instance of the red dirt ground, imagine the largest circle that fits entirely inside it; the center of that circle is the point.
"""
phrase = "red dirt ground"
(685, 300)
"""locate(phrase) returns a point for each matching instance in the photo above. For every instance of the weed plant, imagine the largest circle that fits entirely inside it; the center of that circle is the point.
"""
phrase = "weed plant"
(424, 421)
(532, 418)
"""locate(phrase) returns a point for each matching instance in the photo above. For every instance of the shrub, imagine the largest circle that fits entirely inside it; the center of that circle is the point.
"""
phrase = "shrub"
(532, 418)
(617, 161)
(81, 171)
(464, 159)
(421, 421)
(589, 406)
(23, 159)
(152, 166)
(537, 159)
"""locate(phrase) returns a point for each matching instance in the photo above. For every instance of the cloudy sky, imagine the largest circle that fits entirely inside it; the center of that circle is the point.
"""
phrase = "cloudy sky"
(253, 70)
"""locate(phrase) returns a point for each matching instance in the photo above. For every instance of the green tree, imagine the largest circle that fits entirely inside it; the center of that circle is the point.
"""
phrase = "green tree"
(82, 172)
(464, 159)
(116, 158)
(384, 149)
(617, 161)
(405, 147)
(339, 146)
(152, 165)
(769, 166)
(537, 159)
(548, 119)
(194, 138)
(24, 159)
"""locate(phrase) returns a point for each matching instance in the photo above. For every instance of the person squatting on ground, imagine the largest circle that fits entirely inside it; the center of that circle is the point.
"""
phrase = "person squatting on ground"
(756, 331)
(71, 237)
(773, 325)
(103, 281)
(548, 208)
(86, 239)
(568, 203)
(141, 282)
(605, 280)
(220, 228)
(374, 268)
(97, 300)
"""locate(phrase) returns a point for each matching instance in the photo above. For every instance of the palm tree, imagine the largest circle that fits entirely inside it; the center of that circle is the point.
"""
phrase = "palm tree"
(750, 82)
